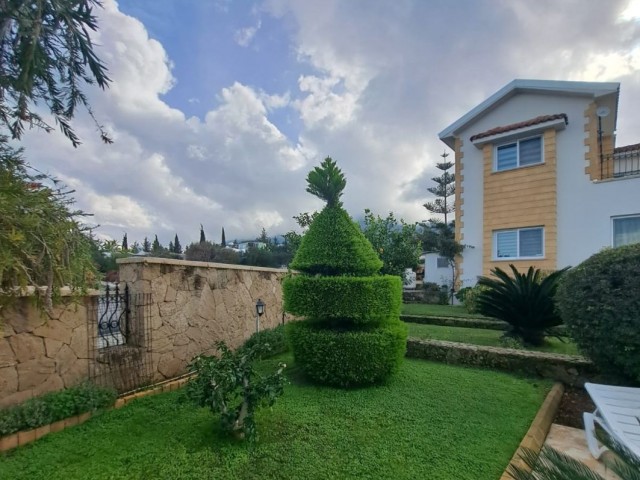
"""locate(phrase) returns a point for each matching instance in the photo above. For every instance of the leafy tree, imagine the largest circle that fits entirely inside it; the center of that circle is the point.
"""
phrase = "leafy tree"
(135, 248)
(42, 241)
(208, 252)
(202, 236)
(292, 239)
(396, 243)
(156, 247)
(46, 54)
(224, 240)
(177, 248)
(146, 245)
(232, 387)
(264, 238)
(445, 188)
(125, 244)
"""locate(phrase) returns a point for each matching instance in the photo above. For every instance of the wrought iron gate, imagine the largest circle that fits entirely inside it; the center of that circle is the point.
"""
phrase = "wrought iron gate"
(120, 339)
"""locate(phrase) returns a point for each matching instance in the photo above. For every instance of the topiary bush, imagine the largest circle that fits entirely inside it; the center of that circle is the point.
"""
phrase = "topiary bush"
(350, 357)
(352, 334)
(273, 337)
(599, 301)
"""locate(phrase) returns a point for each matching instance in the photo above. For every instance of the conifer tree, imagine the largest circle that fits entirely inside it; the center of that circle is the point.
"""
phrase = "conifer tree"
(146, 245)
(202, 237)
(224, 240)
(177, 248)
(171, 247)
(125, 244)
(445, 187)
(156, 247)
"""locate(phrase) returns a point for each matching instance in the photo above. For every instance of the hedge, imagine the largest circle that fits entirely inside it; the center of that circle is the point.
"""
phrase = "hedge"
(348, 358)
(360, 299)
(335, 245)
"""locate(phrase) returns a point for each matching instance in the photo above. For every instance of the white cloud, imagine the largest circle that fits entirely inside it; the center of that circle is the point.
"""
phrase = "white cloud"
(244, 36)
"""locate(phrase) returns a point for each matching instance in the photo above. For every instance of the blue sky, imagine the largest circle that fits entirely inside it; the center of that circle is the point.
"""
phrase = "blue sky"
(219, 108)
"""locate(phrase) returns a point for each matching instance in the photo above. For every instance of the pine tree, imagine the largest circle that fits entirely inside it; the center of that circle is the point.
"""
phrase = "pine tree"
(202, 237)
(171, 247)
(177, 248)
(146, 245)
(156, 247)
(224, 240)
(445, 187)
(125, 244)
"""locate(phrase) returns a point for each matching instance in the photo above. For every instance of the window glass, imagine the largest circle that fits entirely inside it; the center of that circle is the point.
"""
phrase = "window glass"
(531, 242)
(530, 151)
(507, 157)
(507, 244)
(626, 230)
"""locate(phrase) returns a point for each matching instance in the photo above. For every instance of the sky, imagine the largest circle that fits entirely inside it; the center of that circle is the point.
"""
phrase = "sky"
(218, 109)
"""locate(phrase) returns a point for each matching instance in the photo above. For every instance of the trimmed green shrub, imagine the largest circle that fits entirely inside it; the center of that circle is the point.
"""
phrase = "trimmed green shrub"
(273, 337)
(335, 245)
(51, 407)
(462, 293)
(599, 300)
(352, 334)
(471, 299)
(524, 301)
(348, 358)
(359, 299)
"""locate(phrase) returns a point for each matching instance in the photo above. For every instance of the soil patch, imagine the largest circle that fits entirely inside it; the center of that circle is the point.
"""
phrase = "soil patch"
(574, 403)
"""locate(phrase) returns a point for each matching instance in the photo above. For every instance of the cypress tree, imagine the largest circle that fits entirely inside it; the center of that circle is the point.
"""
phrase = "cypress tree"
(224, 240)
(177, 248)
(202, 237)
(146, 245)
(125, 244)
(156, 247)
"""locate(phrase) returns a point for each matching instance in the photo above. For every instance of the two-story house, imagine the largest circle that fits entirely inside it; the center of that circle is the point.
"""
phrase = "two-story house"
(539, 179)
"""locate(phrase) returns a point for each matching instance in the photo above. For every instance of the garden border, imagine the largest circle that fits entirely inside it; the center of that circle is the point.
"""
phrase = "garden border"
(573, 370)
(539, 429)
(455, 321)
(18, 439)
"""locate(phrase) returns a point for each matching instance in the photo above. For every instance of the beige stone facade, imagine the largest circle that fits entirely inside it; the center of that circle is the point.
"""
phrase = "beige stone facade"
(192, 305)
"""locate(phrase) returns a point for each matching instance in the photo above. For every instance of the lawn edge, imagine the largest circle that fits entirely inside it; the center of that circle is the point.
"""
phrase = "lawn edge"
(537, 433)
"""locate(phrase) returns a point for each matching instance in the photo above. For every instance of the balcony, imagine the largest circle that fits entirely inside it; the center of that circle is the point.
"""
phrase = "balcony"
(624, 162)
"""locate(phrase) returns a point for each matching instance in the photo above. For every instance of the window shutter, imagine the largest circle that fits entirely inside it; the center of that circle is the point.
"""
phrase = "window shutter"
(507, 157)
(506, 244)
(531, 242)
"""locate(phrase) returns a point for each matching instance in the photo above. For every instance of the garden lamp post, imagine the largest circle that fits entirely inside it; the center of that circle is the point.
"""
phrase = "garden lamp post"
(260, 305)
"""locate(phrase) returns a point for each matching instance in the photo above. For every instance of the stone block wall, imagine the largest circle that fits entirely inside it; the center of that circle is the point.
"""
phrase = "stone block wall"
(42, 352)
(195, 304)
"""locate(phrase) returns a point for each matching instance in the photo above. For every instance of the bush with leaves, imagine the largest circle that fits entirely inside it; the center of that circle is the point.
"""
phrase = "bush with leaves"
(273, 337)
(231, 387)
(42, 243)
(54, 406)
(352, 334)
(524, 301)
(599, 300)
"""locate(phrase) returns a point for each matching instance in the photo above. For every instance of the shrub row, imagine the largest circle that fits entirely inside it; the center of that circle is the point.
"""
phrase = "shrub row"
(51, 407)
(360, 299)
(348, 358)
(336, 246)
(274, 337)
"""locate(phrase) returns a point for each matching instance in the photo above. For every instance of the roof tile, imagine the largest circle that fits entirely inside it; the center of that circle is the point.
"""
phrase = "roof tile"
(516, 126)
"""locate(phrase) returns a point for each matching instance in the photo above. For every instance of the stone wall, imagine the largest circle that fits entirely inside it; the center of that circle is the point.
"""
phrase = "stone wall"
(569, 369)
(195, 304)
(192, 305)
(42, 352)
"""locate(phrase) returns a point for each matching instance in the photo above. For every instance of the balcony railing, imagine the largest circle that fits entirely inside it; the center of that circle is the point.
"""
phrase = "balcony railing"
(623, 162)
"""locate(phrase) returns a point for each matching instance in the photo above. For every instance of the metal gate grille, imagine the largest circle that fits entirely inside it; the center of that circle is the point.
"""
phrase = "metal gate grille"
(120, 339)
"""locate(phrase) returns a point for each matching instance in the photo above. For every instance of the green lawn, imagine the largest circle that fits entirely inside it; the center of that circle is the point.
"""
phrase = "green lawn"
(437, 310)
(482, 336)
(431, 421)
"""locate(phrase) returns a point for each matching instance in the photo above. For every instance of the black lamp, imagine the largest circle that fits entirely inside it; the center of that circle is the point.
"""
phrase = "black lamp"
(260, 307)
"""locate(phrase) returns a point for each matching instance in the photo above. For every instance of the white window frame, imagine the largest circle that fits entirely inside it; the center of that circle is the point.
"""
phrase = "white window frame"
(620, 217)
(517, 143)
(494, 247)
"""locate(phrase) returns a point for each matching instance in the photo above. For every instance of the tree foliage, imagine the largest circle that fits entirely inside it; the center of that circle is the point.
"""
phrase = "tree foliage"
(445, 188)
(177, 247)
(525, 301)
(46, 55)
(396, 242)
(327, 182)
(42, 241)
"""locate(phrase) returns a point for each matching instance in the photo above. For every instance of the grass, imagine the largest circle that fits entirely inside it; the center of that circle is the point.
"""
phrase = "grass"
(438, 310)
(482, 336)
(431, 421)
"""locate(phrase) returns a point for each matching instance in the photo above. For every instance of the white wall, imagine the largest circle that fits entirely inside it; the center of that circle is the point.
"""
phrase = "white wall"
(433, 274)
(584, 208)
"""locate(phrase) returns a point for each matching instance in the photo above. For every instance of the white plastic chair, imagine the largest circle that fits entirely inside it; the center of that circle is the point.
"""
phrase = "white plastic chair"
(618, 413)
